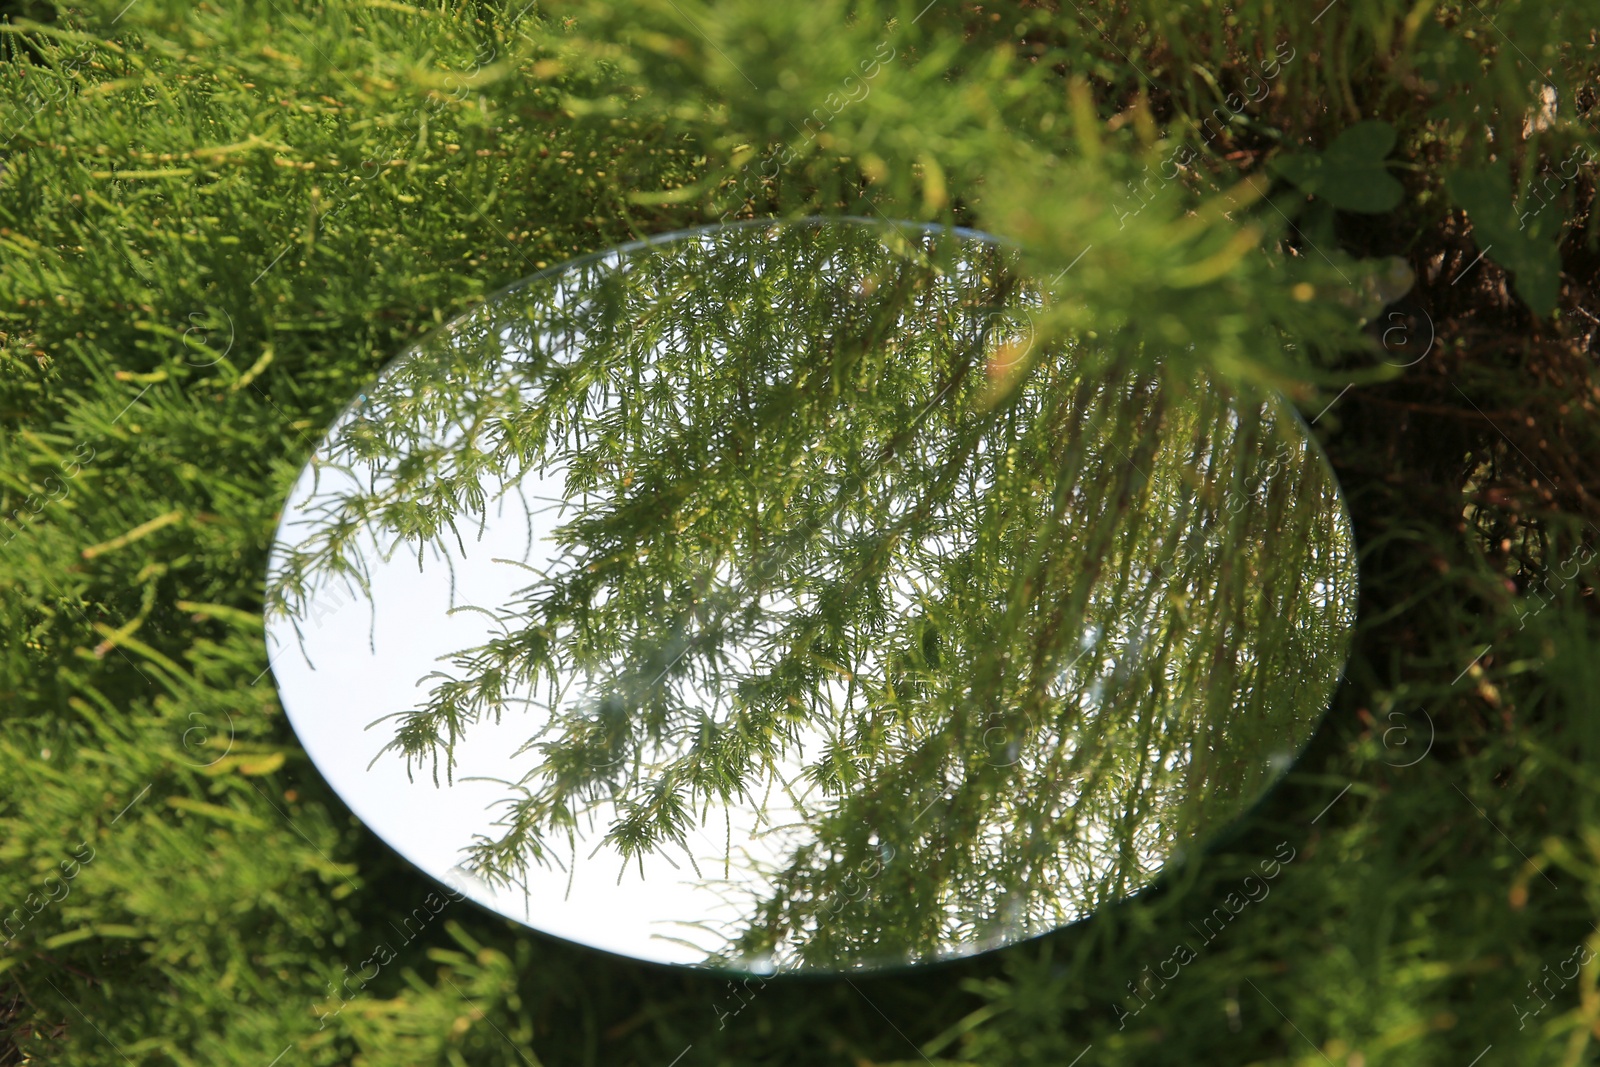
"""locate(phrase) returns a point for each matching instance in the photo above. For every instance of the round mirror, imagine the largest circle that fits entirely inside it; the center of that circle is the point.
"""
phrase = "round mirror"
(795, 596)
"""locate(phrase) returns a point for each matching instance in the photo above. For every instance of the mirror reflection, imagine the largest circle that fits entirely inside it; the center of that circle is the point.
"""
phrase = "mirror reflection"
(790, 596)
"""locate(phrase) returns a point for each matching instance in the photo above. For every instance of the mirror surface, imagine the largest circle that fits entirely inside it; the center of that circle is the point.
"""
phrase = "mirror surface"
(789, 596)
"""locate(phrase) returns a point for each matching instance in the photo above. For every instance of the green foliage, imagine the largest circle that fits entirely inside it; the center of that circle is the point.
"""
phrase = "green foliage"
(1531, 253)
(1350, 175)
(218, 220)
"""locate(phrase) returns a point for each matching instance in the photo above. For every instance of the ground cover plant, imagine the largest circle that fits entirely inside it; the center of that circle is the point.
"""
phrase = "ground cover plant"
(217, 220)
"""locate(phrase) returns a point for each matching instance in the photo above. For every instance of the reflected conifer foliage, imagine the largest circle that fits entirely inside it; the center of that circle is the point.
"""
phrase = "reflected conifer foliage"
(896, 623)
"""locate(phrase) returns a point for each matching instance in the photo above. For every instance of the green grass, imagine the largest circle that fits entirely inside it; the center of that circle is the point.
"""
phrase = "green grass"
(217, 222)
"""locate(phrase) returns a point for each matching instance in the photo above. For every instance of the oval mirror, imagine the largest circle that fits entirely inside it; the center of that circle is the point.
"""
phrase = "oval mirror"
(785, 596)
